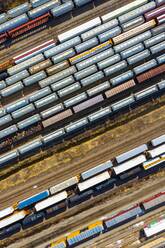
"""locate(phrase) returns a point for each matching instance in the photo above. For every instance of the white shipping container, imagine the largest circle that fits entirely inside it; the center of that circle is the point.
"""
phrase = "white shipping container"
(155, 228)
(129, 164)
(79, 29)
(5, 212)
(13, 218)
(93, 181)
(157, 151)
(51, 201)
(64, 185)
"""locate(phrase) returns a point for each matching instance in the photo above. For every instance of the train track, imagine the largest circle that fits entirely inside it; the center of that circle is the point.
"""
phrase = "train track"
(54, 177)
(52, 32)
(89, 211)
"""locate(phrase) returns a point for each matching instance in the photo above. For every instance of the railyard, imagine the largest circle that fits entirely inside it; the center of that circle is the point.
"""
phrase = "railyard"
(90, 147)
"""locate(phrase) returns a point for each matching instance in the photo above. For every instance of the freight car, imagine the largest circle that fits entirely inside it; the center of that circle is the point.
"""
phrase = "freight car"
(154, 228)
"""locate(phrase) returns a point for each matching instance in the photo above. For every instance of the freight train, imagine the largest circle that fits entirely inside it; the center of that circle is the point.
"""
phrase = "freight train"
(29, 15)
(137, 162)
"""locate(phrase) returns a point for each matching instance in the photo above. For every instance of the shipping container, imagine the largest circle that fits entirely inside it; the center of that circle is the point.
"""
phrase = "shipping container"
(5, 212)
(129, 164)
(33, 199)
(157, 151)
(158, 141)
(51, 201)
(131, 153)
(64, 185)
(93, 181)
(12, 219)
(96, 170)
